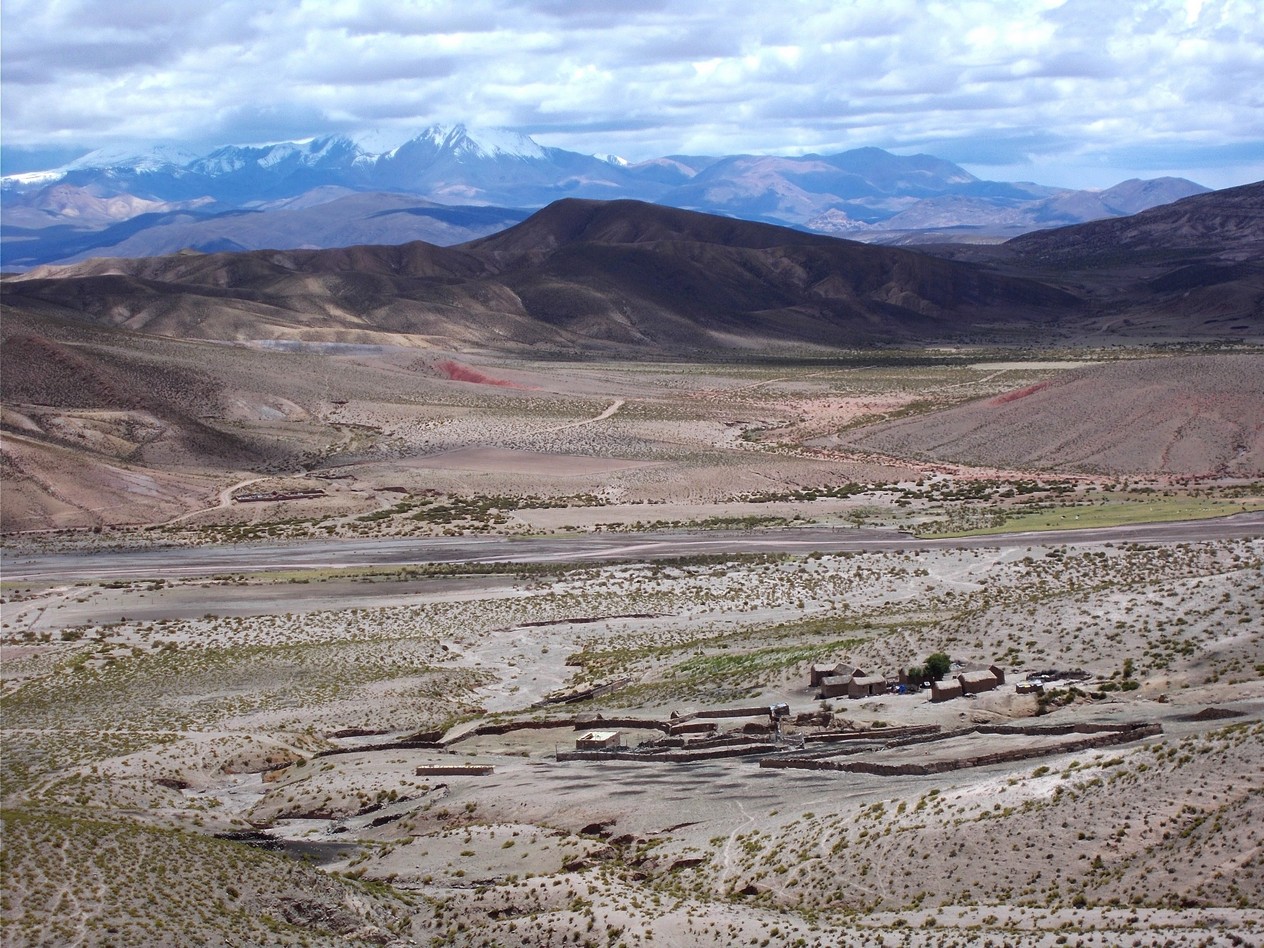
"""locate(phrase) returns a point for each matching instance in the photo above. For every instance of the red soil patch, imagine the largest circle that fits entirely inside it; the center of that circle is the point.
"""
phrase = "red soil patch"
(461, 373)
(1020, 393)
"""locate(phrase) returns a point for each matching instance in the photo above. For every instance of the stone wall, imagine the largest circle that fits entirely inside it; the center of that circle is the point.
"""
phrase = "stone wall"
(454, 770)
(759, 711)
(620, 724)
(510, 726)
(684, 755)
(385, 746)
(1096, 736)
(874, 734)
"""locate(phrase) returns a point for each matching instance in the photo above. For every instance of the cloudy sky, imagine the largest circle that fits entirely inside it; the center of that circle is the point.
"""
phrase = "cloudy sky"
(1069, 92)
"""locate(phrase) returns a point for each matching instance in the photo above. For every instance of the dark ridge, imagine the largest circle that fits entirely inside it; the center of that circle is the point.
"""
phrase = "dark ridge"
(627, 277)
(579, 274)
(1218, 221)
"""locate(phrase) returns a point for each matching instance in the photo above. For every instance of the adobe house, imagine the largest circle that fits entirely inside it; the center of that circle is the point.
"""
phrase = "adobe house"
(943, 690)
(600, 740)
(866, 686)
(835, 686)
(977, 682)
(999, 672)
(822, 670)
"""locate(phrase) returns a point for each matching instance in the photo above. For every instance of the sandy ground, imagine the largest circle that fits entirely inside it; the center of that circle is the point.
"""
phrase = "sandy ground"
(367, 424)
(273, 672)
(1188, 416)
(154, 714)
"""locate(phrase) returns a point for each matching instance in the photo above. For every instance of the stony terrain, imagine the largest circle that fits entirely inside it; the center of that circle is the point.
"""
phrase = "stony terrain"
(219, 729)
(204, 711)
(180, 726)
(103, 429)
(1192, 416)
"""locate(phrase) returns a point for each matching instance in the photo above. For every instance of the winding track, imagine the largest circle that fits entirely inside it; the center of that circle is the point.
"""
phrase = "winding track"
(608, 413)
(587, 547)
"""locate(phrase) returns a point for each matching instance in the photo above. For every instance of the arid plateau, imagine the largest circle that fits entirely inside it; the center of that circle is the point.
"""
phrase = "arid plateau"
(493, 595)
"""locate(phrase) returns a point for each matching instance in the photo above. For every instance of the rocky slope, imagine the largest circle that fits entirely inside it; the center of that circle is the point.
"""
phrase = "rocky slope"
(578, 275)
(1192, 415)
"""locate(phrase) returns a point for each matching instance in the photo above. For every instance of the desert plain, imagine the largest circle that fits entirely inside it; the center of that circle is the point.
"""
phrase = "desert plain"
(334, 696)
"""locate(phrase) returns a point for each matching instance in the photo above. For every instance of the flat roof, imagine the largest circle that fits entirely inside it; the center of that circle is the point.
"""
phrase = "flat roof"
(982, 675)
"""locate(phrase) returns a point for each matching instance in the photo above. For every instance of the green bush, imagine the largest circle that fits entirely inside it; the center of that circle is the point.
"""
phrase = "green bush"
(938, 665)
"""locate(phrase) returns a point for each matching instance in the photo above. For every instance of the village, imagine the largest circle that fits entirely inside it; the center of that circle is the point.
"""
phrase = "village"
(811, 739)
(779, 735)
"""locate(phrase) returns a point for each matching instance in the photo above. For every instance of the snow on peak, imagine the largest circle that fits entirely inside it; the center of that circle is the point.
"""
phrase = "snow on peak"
(28, 179)
(378, 141)
(155, 158)
(613, 160)
(332, 145)
(278, 153)
(482, 142)
(311, 152)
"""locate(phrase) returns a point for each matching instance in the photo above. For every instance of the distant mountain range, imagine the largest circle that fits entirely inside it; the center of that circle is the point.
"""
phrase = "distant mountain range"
(451, 184)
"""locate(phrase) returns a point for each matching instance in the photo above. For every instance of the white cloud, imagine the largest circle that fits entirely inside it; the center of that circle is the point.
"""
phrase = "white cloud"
(1092, 77)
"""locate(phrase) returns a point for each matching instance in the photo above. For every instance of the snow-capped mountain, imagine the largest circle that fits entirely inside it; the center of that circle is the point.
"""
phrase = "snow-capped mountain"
(163, 157)
(484, 143)
(864, 193)
(333, 152)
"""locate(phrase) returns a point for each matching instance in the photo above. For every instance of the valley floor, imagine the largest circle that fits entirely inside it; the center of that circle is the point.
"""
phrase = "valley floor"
(330, 727)
(350, 718)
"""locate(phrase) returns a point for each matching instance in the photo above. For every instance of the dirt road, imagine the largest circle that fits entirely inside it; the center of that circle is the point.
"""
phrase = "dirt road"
(587, 547)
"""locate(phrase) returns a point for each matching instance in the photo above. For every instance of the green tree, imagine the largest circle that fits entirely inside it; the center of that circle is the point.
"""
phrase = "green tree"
(937, 665)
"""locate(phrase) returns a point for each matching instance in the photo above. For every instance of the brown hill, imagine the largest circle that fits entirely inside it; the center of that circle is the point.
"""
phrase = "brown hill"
(68, 224)
(1187, 415)
(577, 275)
(628, 277)
(105, 425)
(1228, 224)
(406, 293)
(1190, 269)
(133, 403)
(630, 272)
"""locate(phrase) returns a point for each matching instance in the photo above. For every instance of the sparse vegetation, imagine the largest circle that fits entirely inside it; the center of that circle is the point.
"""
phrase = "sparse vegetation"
(143, 718)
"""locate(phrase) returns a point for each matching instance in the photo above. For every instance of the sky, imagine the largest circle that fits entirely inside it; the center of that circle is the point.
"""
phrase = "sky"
(1075, 93)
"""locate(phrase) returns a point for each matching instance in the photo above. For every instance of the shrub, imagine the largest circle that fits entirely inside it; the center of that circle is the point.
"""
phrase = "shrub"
(938, 665)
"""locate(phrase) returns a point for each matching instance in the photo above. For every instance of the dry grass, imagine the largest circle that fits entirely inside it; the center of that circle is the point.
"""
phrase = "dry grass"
(141, 718)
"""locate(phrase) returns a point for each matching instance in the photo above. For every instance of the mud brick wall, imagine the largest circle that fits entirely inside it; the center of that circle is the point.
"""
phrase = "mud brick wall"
(884, 734)
(454, 770)
(614, 724)
(759, 711)
(510, 726)
(1041, 729)
(385, 746)
(676, 757)
(1098, 738)
(692, 727)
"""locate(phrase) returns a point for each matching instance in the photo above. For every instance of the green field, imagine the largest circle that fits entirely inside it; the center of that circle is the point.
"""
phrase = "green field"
(1113, 511)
